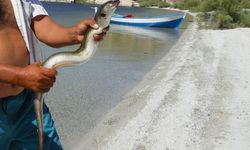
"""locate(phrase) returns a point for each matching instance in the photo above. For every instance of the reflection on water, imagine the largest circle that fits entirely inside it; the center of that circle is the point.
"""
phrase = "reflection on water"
(158, 33)
(138, 44)
(85, 93)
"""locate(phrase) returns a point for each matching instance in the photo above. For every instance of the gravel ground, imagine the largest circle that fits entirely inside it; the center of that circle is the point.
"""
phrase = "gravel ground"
(196, 98)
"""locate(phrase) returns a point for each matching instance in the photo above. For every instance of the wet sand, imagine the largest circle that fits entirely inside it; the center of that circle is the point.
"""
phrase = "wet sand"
(196, 98)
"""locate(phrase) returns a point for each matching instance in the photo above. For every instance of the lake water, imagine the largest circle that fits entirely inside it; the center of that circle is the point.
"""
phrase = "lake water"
(84, 94)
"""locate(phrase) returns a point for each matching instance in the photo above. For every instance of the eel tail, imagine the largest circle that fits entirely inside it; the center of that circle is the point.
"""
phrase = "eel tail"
(38, 103)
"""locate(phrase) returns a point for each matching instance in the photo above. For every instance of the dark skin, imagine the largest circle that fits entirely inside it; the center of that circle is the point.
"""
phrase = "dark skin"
(15, 71)
(1, 12)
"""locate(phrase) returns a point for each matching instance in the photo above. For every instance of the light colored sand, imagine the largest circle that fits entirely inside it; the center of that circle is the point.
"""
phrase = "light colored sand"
(196, 98)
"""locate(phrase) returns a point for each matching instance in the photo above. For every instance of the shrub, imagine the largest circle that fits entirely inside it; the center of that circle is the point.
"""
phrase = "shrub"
(246, 4)
(163, 4)
(209, 5)
(188, 4)
(232, 8)
(223, 20)
(245, 19)
(81, 1)
(149, 3)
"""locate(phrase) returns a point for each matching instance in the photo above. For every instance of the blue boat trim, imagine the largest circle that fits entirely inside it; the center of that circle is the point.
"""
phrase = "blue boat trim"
(161, 16)
(164, 24)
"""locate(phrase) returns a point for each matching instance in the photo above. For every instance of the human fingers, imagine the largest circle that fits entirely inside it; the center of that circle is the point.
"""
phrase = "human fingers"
(47, 81)
(106, 29)
(99, 37)
(38, 63)
(49, 72)
(83, 25)
(41, 90)
(91, 22)
(44, 84)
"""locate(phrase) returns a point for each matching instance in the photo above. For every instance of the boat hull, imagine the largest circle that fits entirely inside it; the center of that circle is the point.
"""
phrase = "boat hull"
(162, 22)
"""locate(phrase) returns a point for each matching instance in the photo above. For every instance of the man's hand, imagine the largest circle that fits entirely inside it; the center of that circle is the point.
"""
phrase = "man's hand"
(81, 29)
(37, 78)
(55, 35)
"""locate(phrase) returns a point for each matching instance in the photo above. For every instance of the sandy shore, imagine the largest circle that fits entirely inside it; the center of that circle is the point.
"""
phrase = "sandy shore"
(196, 98)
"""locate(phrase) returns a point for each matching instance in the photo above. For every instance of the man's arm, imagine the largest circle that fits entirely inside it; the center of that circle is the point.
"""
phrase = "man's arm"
(33, 76)
(55, 35)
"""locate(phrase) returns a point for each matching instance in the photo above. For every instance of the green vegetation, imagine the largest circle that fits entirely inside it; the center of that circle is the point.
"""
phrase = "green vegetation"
(246, 4)
(188, 4)
(245, 19)
(219, 13)
(150, 3)
(82, 1)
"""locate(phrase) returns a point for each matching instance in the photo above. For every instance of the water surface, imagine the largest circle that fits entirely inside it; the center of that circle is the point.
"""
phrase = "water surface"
(85, 93)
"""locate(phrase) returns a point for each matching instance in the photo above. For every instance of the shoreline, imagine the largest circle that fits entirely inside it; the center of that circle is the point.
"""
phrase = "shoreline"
(196, 97)
(132, 102)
